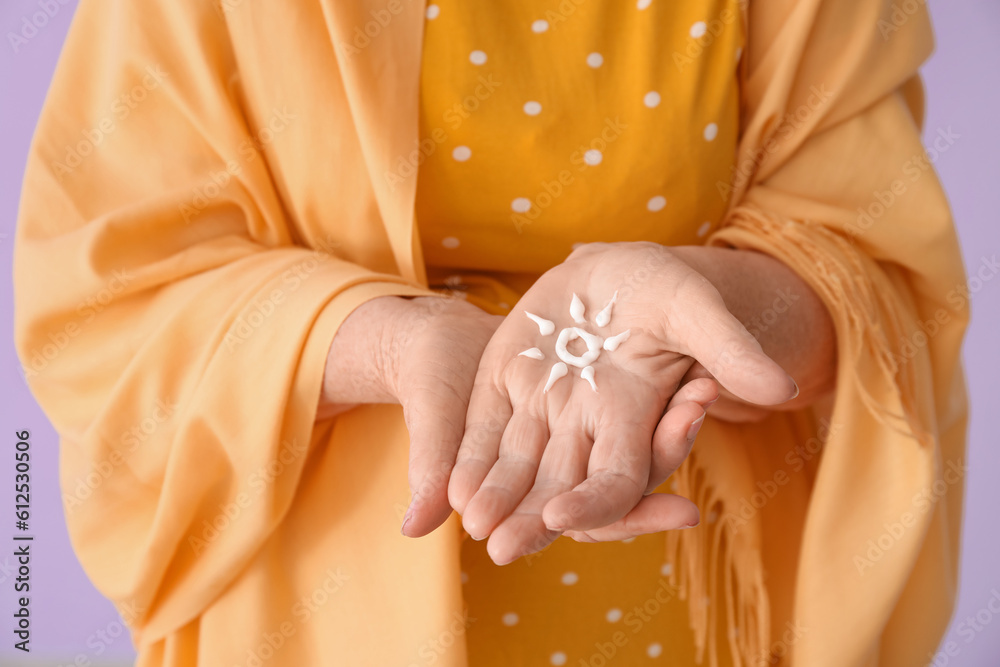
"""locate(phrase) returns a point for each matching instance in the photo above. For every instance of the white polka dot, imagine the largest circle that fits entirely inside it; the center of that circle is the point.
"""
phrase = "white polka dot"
(698, 29)
(461, 153)
(667, 569)
(539, 26)
(477, 57)
(465, 578)
(570, 578)
(449, 242)
(629, 540)
(654, 650)
(521, 205)
(642, 4)
(705, 226)
(510, 619)
(656, 203)
(532, 108)
(652, 99)
(558, 658)
(595, 59)
(614, 615)
(593, 157)
(711, 131)
(433, 11)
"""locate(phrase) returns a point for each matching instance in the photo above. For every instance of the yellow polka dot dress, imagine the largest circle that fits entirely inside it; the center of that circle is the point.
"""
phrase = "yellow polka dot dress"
(552, 124)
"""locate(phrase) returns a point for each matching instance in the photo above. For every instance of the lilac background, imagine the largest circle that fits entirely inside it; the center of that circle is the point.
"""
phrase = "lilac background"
(962, 83)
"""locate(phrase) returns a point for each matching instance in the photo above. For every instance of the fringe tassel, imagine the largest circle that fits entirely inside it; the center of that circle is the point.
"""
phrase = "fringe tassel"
(710, 546)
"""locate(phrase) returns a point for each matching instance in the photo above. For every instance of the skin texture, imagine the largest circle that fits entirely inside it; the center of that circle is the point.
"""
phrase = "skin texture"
(523, 466)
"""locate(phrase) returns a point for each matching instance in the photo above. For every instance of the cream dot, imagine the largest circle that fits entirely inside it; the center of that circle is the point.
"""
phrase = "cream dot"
(593, 157)
(532, 108)
(558, 658)
(539, 26)
(450, 242)
(614, 615)
(433, 11)
(510, 619)
(595, 59)
(477, 57)
(656, 203)
(654, 650)
(521, 205)
(652, 99)
(711, 131)
(667, 569)
(465, 578)
(698, 29)
(461, 153)
(642, 4)
(570, 578)
(703, 229)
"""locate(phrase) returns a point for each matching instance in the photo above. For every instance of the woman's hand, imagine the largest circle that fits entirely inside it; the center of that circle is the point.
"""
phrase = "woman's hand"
(534, 463)
(423, 354)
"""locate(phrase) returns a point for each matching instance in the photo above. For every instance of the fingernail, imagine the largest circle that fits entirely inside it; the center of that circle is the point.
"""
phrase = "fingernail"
(695, 426)
(711, 403)
(691, 525)
(406, 519)
(796, 387)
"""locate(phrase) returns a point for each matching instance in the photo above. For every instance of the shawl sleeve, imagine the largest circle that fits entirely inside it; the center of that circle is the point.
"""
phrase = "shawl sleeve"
(833, 180)
(169, 319)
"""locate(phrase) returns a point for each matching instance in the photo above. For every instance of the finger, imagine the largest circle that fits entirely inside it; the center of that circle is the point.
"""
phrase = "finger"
(728, 407)
(563, 466)
(654, 513)
(713, 336)
(672, 441)
(510, 478)
(489, 412)
(616, 478)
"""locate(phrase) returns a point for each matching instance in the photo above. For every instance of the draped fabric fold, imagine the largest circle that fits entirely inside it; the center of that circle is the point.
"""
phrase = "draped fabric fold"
(214, 186)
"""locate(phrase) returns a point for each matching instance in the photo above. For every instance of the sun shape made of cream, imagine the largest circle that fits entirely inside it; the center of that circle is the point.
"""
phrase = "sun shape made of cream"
(595, 343)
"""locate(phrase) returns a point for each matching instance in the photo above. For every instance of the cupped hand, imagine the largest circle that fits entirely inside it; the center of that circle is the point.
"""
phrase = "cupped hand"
(573, 442)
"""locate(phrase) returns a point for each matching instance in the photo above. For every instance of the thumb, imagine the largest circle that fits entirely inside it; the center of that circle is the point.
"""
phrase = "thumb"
(435, 420)
(720, 342)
